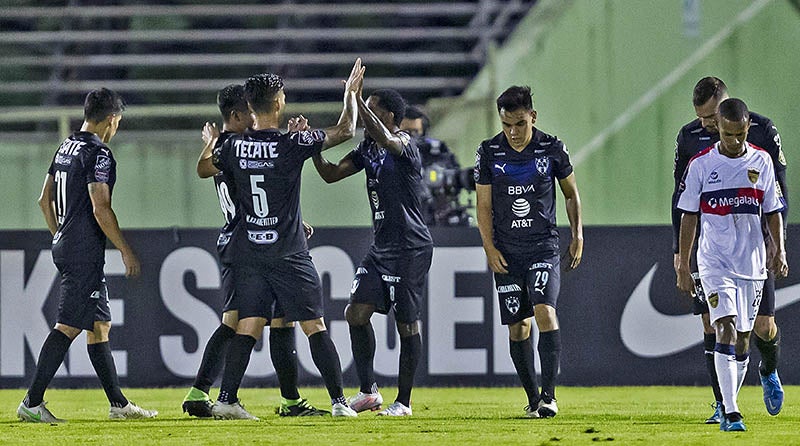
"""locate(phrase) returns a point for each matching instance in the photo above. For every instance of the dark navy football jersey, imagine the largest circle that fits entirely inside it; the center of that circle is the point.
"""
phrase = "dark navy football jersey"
(265, 166)
(81, 159)
(693, 138)
(523, 190)
(395, 192)
(226, 191)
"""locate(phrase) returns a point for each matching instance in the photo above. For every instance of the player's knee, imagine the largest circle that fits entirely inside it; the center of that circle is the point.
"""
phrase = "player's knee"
(520, 331)
(313, 326)
(358, 314)
(251, 326)
(230, 318)
(70, 332)
(546, 319)
(405, 330)
(280, 322)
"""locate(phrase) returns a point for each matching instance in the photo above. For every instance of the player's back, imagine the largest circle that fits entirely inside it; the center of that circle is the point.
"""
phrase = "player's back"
(81, 159)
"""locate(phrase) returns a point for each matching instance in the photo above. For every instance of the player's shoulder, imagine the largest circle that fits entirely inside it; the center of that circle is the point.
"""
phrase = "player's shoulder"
(547, 142)
(691, 130)
(761, 128)
(703, 156)
(493, 144)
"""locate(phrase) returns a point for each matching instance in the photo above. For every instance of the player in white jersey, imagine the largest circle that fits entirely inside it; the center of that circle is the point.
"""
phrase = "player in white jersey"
(731, 185)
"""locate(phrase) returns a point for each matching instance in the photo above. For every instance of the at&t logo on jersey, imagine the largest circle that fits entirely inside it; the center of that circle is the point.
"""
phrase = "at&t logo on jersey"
(521, 208)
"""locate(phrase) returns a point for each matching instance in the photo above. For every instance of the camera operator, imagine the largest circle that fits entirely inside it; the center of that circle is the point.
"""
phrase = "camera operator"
(442, 174)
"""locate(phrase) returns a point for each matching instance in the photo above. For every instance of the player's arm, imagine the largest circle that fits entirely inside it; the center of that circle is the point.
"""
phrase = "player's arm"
(778, 264)
(772, 144)
(678, 169)
(383, 136)
(100, 194)
(331, 172)
(346, 127)
(687, 230)
(569, 188)
(47, 204)
(497, 262)
(205, 166)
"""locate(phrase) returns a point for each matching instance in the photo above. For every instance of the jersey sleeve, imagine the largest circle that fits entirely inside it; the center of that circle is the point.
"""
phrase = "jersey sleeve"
(690, 188)
(99, 166)
(220, 155)
(357, 157)
(772, 201)
(307, 143)
(563, 167)
(482, 172)
(772, 144)
(678, 169)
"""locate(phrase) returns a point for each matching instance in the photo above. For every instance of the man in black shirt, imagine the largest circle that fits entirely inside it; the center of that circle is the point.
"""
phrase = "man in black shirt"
(237, 119)
(272, 264)
(693, 137)
(393, 273)
(516, 173)
(76, 203)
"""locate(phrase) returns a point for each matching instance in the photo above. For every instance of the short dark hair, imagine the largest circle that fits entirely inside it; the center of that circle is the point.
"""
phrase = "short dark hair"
(734, 110)
(102, 103)
(230, 99)
(514, 98)
(707, 88)
(260, 91)
(392, 101)
(415, 112)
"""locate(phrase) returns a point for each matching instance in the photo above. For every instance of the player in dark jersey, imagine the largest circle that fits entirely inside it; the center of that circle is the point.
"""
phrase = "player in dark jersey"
(693, 137)
(76, 203)
(272, 264)
(516, 173)
(394, 271)
(237, 119)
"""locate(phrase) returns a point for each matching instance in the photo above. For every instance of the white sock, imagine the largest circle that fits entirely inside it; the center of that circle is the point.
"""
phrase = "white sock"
(741, 371)
(727, 369)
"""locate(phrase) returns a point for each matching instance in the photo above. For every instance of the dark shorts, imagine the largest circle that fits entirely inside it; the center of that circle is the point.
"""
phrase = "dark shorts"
(290, 283)
(83, 295)
(765, 308)
(517, 293)
(228, 288)
(393, 280)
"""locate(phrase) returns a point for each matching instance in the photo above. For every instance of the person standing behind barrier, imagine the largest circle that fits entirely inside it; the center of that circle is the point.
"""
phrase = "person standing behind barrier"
(76, 203)
(731, 185)
(693, 137)
(516, 173)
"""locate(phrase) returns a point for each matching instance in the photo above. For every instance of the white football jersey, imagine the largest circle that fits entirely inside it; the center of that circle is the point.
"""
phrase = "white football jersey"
(730, 194)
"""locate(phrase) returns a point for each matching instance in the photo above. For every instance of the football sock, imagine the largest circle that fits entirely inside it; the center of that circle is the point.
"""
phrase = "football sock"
(725, 361)
(741, 369)
(522, 357)
(290, 402)
(213, 357)
(709, 340)
(284, 359)
(410, 347)
(550, 357)
(50, 358)
(770, 353)
(103, 363)
(236, 362)
(362, 340)
(325, 357)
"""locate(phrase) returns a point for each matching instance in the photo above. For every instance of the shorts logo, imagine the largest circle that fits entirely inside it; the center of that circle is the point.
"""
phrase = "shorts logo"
(521, 207)
(95, 295)
(361, 270)
(752, 175)
(713, 299)
(541, 265)
(512, 304)
(388, 278)
(355, 284)
(543, 166)
(373, 196)
(508, 288)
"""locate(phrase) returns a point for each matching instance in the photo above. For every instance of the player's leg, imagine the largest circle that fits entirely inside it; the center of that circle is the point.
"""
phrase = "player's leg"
(544, 285)
(283, 353)
(326, 358)
(767, 341)
(700, 307)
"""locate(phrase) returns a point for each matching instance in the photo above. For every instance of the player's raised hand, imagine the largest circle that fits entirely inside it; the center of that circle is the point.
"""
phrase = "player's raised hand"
(210, 132)
(298, 124)
(497, 262)
(355, 82)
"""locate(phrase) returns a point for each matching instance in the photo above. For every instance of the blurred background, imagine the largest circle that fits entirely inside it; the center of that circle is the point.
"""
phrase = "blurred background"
(612, 78)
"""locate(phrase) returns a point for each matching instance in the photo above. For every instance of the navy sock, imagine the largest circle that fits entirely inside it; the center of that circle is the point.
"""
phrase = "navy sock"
(103, 363)
(283, 353)
(522, 357)
(770, 353)
(550, 357)
(236, 362)
(50, 358)
(362, 340)
(213, 357)
(709, 341)
(410, 348)
(325, 357)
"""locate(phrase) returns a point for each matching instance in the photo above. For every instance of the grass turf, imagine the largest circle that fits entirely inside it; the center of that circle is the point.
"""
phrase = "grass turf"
(491, 416)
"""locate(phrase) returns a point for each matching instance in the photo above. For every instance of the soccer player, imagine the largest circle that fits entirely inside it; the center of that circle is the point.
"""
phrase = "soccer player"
(76, 203)
(272, 264)
(393, 273)
(731, 184)
(237, 119)
(692, 138)
(516, 173)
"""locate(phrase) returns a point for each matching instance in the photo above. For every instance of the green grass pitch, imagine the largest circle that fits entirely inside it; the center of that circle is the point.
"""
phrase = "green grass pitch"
(488, 416)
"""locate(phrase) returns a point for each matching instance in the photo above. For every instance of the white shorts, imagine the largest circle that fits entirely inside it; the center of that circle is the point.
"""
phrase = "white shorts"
(733, 297)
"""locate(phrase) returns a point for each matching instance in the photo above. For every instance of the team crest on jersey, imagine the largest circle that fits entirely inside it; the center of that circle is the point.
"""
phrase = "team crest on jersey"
(713, 299)
(543, 166)
(713, 178)
(752, 175)
(512, 304)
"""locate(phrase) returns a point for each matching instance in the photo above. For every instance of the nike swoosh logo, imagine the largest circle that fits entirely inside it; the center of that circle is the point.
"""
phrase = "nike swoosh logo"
(648, 333)
(35, 416)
